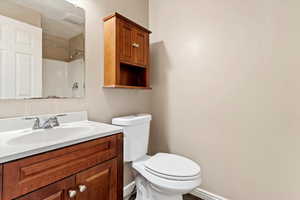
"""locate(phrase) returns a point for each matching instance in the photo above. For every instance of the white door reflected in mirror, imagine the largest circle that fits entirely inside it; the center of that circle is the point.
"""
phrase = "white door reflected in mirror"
(42, 51)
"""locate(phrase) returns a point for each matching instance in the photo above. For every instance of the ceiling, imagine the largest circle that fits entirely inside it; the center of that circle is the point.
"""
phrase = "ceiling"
(59, 17)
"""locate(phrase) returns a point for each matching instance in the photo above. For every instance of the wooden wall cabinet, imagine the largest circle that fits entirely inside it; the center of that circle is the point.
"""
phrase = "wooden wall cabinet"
(126, 53)
(88, 171)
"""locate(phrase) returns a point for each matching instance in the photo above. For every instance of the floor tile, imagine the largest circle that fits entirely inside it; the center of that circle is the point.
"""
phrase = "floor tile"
(190, 197)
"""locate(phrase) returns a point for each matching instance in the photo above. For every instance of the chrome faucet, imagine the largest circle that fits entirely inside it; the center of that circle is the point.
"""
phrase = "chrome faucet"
(51, 122)
(37, 124)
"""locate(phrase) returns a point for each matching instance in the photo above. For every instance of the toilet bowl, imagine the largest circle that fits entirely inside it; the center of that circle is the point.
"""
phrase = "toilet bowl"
(165, 176)
(162, 176)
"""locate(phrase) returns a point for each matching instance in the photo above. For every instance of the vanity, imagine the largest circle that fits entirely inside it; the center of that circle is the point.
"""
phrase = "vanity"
(52, 157)
(79, 159)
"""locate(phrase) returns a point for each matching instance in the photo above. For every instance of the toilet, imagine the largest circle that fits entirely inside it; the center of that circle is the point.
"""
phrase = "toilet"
(162, 176)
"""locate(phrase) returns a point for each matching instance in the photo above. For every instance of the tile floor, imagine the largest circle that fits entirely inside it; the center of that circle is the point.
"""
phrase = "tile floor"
(186, 197)
(190, 197)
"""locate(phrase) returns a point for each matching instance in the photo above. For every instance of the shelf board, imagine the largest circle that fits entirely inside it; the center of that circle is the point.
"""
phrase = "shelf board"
(128, 87)
(132, 65)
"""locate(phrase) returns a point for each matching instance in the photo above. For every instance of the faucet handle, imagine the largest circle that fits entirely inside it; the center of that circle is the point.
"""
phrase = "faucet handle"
(36, 124)
(61, 115)
(55, 119)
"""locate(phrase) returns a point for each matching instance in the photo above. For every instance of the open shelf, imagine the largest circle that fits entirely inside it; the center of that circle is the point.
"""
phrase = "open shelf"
(130, 64)
(127, 87)
(132, 76)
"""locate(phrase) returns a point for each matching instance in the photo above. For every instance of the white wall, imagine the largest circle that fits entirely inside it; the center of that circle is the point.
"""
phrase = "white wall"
(226, 92)
(59, 76)
(55, 78)
(76, 74)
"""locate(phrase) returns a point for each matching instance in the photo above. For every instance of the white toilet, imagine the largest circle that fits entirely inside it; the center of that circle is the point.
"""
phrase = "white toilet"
(162, 176)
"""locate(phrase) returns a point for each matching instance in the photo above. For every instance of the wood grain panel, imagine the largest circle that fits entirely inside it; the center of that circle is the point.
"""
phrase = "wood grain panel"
(110, 49)
(1, 177)
(120, 170)
(126, 39)
(140, 53)
(55, 191)
(26, 175)
(101, 182)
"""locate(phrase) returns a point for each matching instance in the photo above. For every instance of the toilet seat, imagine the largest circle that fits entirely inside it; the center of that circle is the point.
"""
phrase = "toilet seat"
(172, 167)
(167, 183)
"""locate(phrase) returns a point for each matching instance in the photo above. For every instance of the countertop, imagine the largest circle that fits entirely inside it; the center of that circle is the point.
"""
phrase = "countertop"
(10, 152)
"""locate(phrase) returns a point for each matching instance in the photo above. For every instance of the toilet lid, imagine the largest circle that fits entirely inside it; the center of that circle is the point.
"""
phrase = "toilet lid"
(170, 165)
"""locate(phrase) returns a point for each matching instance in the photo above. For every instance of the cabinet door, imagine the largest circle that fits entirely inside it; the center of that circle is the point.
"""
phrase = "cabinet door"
(99, 182)
(126, 35)
(56, 191)
(141, 48)
(1, 182)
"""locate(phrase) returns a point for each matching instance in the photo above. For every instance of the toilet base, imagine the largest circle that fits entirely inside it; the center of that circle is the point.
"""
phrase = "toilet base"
(146, 191)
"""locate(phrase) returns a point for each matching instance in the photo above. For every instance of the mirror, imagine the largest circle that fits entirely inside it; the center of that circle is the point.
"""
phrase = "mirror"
(41, 49)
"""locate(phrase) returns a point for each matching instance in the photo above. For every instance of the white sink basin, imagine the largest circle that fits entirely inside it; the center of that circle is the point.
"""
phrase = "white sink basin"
(18, 140)
(47, 135)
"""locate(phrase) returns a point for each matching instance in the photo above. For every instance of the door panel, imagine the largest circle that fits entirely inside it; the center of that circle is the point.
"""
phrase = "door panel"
(1, 176)
(20, 50)
(27, 53)
(140, 51)
(100, 182)
(23, 75)
(126, 41)
(55, 191)
(7, 74)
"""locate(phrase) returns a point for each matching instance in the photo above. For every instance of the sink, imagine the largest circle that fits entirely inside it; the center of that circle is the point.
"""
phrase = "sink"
(47, 135)
(18, 140)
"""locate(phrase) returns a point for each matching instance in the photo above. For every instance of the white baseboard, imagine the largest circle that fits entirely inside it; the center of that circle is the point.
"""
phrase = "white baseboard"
(128, 190)
(205, 195)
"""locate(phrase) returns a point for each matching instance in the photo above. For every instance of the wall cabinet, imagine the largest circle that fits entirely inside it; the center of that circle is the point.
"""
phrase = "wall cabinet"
(126, 57)
(88, 171)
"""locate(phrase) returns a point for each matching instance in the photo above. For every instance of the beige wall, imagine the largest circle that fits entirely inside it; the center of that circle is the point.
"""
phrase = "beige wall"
(56, 48)
(226, 92)
(102, 104)
(20, 13)
(76, 43)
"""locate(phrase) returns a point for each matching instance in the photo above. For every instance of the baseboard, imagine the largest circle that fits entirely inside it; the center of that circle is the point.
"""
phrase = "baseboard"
(205, 195)
(128, 190)
(202, 194)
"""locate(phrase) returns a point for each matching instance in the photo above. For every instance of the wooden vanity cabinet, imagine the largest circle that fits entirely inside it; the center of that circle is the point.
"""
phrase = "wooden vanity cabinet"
(100, 181)
(88, 171)
(126, 53)
(1, 177)
(56, 191)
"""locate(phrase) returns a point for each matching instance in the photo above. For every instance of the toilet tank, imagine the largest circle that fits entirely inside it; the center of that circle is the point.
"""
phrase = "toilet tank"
(136, 135)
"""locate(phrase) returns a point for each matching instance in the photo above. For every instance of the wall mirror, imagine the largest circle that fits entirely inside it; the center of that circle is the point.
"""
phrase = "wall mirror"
(41, 49)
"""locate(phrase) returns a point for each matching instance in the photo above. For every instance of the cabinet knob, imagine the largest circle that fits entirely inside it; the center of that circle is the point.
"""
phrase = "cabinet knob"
(82, 188)
(136, 45)
(72, 193)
